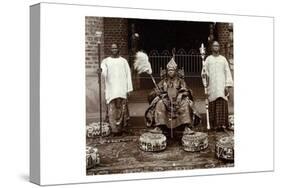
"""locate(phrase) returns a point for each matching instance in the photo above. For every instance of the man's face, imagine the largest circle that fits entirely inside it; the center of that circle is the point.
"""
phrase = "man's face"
(171, 73)
(216, 47)
(114, 49)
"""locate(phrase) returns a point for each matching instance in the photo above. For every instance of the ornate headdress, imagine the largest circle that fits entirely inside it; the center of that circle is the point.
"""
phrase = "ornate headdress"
(172, 65)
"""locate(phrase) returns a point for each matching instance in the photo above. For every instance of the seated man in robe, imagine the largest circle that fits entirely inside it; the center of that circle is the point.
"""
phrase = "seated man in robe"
(171, 104)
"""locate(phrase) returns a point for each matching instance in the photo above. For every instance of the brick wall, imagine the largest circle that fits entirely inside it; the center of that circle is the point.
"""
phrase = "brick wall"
(93, 24)
(116, 31)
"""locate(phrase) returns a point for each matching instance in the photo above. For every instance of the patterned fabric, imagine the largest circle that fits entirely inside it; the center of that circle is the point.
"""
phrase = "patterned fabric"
(163, 109)
(118, 114)
(179, 117)
(176, 83)
(218, 111)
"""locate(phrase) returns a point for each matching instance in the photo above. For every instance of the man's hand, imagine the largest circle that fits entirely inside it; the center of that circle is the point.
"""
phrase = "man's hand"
(99, 70)
(226, 91)
(205, 79)
(157, 92)
(128, 94)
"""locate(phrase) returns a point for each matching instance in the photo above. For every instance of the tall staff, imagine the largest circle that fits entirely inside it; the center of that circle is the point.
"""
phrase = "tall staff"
(205, 82)
(98, 35)
(171, 98)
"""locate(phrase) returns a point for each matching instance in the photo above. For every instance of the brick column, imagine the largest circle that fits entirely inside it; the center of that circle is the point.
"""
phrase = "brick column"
(223, 36)
(93, 24)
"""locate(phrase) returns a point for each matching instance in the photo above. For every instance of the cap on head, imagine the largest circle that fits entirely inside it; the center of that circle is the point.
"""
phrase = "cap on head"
(215, 43)
(114, 45)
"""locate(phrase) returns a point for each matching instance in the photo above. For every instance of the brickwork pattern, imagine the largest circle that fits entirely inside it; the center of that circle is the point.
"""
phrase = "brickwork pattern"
(223, 36)
(116, 31)
(93, 24)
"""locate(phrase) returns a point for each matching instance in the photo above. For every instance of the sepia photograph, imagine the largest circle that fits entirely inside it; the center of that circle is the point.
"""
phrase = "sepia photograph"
(140, 94)
(159, 95)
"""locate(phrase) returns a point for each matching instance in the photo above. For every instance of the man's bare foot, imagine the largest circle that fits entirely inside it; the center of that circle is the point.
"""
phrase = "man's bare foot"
(156, 130)
(188, 131)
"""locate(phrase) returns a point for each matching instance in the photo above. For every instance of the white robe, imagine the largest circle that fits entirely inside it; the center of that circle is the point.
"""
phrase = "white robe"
(219, 76)
(117, 76)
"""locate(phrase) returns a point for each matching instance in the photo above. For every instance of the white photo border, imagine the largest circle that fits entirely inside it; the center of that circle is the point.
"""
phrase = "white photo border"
(62, 91)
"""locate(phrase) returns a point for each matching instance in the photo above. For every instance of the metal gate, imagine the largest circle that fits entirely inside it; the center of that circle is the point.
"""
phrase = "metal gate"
(190, 62)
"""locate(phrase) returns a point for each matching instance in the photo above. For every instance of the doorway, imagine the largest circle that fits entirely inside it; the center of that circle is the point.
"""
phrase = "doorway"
(159, 37)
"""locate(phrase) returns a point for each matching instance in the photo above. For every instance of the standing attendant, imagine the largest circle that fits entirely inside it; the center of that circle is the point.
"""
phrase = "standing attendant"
(219, 83)
(118, 84)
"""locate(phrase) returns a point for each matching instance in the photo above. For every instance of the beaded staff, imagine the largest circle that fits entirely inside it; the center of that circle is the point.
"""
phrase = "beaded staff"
(204, 76)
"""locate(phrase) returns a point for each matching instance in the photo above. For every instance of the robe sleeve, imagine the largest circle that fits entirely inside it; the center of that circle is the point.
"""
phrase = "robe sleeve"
(228, 77)
(129, 77)
(104, 68)
(160, 84)
(183, 84)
